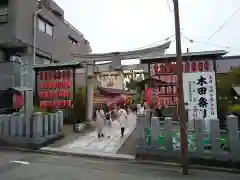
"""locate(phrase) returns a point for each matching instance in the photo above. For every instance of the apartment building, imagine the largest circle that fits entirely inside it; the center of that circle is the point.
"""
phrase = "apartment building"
(55, 38)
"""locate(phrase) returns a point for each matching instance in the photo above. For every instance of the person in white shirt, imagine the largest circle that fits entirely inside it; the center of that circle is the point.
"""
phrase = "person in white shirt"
(122, 119)
(142, 109)
(100, 119)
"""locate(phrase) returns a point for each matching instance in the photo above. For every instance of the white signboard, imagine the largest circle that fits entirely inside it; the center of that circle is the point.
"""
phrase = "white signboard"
(200, 95)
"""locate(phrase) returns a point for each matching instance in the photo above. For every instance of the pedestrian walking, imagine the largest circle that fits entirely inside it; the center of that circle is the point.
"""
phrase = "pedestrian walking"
(122, 119)
(100, 119)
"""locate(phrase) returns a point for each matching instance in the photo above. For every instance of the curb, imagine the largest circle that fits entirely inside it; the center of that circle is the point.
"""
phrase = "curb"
(196, 167)
(123, 159)
(59, 153)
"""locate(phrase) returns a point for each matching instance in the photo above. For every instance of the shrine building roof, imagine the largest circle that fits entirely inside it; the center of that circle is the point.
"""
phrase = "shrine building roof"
(186, 56)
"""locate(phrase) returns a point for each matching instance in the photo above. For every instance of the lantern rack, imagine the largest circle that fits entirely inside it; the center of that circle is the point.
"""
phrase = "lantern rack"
(65, 77)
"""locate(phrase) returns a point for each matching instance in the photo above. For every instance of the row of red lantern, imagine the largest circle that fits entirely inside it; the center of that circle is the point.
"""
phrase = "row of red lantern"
(194, 66)
(55, 75)
(55, 85)
(54, 94)
(167, 101)
(167, 90)
(56, 104)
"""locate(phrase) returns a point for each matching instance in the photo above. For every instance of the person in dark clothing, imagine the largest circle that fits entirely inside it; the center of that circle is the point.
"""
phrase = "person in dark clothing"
(159, 113)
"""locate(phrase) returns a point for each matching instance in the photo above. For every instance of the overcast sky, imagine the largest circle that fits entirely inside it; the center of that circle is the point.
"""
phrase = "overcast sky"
(118, 25)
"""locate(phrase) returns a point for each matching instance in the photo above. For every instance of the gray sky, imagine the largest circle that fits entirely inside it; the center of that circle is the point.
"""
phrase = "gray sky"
(117, 25)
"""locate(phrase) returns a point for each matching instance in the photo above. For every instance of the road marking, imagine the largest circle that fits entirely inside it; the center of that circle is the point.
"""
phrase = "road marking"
(20, 162)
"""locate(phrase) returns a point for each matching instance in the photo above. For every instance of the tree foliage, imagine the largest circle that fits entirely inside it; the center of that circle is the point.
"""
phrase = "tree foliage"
(225, 82)
(78, 112)
(133, 85)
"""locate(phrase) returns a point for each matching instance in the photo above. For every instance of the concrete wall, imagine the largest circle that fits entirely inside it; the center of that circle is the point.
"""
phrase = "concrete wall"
(8, 80)
(58, 47)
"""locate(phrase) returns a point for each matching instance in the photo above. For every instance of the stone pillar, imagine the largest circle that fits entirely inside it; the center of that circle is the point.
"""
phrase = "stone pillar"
(116, 61)
(37, 125)
(90, 87)
(29, 94)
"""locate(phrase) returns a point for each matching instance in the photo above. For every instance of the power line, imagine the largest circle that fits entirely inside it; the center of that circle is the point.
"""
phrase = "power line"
(207, 43)
(224, 24)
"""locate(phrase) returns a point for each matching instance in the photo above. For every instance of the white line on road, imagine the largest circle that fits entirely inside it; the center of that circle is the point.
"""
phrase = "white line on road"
(19, 162)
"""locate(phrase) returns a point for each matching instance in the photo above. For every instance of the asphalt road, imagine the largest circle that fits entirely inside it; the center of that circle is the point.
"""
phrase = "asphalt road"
(49, 167)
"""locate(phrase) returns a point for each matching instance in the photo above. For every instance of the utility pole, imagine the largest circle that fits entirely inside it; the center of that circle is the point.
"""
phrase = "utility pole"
(182, 117)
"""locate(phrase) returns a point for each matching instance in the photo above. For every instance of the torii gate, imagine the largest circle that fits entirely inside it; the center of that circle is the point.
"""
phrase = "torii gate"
(115, 58)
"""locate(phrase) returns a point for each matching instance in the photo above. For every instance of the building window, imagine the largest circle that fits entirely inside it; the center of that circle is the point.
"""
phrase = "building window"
(49, 29)
(45, 27)
(41, 25)
(72, 41)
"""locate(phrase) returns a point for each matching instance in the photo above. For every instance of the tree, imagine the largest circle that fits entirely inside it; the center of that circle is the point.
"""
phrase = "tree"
(133, 85)
(78, 112)
(224, 85)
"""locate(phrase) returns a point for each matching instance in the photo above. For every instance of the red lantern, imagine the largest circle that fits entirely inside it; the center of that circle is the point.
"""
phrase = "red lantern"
(65, 94)
(206, 66)
(59, 85)
(168, 67)
(57, 103)
(173, 67)
(187, 67)
(64, 75)
(54, 85)
(41, 76)
(54, 103)
(55, 75)
(69, 84)
(45, 85)
(200, 66)
(42, 104)
(155, 68)
(51, 94)
(55, 94)
(64, 84)
(194, 67)
(69, 103)
(68, 74)
(50, 85)
(41, 95)
(41, 85)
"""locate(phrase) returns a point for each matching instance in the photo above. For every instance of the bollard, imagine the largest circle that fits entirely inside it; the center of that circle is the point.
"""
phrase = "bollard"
(215, 135)
(55, 123)
(50, 124)
(20, 125)
(233, 136)
(6, 125)
(14, 118)
(45, 125)
(37, 125)
(168, 133)
(1, 125)
(60, 127)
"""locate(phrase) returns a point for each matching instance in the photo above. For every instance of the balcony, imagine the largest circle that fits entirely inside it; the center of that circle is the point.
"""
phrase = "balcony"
(3, 15)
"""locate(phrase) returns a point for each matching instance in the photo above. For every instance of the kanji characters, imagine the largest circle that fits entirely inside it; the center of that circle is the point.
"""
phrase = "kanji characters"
(202, 81)
(202, 102)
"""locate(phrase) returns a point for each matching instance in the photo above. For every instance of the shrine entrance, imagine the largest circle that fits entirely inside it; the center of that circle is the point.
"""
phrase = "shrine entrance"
(164, 88)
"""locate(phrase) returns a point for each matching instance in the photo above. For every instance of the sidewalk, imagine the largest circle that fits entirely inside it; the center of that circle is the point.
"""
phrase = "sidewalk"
(89, 144)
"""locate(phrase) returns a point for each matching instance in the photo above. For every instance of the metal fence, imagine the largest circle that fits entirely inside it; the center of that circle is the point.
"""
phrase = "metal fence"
(162, 139)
